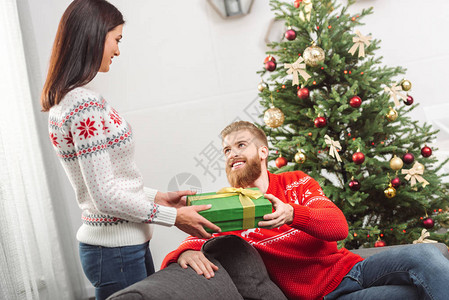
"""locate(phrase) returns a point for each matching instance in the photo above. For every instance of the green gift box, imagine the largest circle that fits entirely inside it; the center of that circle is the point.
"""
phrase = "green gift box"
(233, 208)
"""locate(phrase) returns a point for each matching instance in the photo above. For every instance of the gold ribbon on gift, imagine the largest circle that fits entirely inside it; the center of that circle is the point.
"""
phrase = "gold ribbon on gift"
(394, 91)
(245, 197)
(359, 43)
(414, 174)
(297, 68)
(333, 146)
(307, 10)
(423, 238)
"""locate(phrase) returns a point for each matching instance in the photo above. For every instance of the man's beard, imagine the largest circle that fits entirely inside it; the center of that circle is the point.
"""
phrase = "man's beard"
(245, 176)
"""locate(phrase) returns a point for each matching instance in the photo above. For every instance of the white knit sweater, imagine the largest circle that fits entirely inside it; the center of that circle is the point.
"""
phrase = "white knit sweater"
(96, 148)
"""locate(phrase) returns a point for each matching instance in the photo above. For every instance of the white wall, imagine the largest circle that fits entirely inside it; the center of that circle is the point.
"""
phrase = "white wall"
(184, 73)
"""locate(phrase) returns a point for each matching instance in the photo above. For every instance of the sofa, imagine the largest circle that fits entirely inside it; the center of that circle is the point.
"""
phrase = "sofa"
(241, 275)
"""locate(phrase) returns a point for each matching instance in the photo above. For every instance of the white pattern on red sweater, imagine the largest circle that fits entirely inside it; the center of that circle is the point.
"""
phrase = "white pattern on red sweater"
(301, 258)
(96, 148)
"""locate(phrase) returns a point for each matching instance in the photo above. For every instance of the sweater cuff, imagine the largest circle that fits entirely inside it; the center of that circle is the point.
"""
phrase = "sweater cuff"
(301, 216)
(166, 216)
(150, 193)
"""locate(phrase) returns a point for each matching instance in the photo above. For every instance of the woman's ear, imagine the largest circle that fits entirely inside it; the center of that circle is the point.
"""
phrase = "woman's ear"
(263, 152)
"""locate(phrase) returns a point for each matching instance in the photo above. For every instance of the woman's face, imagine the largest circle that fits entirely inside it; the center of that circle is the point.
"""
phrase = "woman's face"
(111, 47)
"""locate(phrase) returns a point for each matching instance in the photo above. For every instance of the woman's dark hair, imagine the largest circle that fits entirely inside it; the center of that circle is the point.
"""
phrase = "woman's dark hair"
(78, 48)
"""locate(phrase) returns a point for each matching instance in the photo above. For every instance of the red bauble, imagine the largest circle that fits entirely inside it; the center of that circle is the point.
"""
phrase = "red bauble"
(270, 65)
(396, 182)
(280, 161)
(426, 151)
(297, 3)
(358, 158)
(409, 100)
(380, 243)
(290, 34)
(320, 122)
(355, 101)
(354, 185)
(303, 93)
(269, 58)
(408, 158)
(428, 223)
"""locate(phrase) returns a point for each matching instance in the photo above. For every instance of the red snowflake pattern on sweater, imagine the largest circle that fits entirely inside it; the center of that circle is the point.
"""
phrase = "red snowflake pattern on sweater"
(69, 139)
(115, 117)
(87, 128)
(54, 140)
(103, 122)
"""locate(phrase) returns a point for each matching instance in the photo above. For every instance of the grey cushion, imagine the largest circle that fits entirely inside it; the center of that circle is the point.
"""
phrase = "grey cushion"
(245, 267)
(174, 282)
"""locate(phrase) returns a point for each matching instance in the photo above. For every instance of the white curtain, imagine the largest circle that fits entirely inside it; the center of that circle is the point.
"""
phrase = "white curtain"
(31, 259)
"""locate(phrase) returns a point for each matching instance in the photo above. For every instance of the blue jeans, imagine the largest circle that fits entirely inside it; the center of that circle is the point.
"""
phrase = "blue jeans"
(112, 269)
(409, 272)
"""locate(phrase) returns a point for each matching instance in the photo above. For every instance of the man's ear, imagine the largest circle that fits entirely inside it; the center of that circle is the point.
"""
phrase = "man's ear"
(263, 152)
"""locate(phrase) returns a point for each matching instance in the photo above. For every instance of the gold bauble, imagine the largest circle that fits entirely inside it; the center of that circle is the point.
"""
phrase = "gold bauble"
(396, 163)
(392, 115)
(273, 117)
(390, 192)
(406, 85)
(419, 166)
(306, 2)
(313, 56)
(300, 157)
(262, 86)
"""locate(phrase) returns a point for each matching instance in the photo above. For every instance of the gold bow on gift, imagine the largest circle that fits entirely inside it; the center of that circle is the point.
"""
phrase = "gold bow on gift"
(295, 68)
(245, 196)
(414, 174)
(394, 92)
(359, 42)
(423, 238)
(334, 145)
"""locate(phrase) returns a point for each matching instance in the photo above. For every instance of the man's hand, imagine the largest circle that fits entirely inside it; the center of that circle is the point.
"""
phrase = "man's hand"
(190, 221)
(173, 199)
(198, 262)
(283, 214)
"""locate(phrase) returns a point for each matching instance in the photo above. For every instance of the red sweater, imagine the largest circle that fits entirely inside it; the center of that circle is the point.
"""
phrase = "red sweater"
(302, 258)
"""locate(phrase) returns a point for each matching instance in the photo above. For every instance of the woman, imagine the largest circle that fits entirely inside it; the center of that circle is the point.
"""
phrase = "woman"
(96, 148)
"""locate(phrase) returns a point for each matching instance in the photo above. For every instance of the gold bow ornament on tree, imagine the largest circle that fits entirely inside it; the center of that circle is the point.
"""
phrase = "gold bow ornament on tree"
(423, 238)
(333, 146)
(414, 174)
(297, 68)
(394, 91)
(359, 43)
(307, 4)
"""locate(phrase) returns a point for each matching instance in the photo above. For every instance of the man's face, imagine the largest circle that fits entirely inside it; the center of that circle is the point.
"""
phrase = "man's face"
(243, 163)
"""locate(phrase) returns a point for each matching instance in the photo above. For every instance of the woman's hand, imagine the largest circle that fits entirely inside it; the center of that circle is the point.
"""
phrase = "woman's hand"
(198, 262)
(283, 214)
(173, 199)
(190, 221)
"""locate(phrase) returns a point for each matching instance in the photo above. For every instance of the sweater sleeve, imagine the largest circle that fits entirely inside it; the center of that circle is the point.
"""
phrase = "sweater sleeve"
(317, 215)
(122, 196)
(151, 193)
(191, 243)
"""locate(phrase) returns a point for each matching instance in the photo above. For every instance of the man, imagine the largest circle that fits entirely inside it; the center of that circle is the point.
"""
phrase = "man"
(298, 243)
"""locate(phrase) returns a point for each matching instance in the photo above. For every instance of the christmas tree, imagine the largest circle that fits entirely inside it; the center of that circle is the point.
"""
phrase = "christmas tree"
(334, 112)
